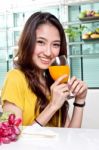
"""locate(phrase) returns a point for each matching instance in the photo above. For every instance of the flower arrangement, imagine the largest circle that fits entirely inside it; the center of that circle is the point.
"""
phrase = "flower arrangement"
(9, 128)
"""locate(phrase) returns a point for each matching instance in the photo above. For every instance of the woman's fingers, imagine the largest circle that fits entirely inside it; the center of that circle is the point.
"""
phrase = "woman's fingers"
(72, 80)
(59, 92)
(75, 85)
(61, 88)
(78, 87)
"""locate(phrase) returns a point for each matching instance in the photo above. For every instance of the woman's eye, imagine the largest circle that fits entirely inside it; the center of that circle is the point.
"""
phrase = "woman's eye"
(56, 45)
(40, 42)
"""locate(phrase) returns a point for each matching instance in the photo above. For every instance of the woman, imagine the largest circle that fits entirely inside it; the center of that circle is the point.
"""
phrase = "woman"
(29, 91)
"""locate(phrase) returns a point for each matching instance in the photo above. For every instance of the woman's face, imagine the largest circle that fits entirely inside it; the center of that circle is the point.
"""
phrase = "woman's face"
(47, 45)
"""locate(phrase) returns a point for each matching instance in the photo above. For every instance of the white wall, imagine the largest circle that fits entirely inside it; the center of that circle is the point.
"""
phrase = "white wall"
(91, 110)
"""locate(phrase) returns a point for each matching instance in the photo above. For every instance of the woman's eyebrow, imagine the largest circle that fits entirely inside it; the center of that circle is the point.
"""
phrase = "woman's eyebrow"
(42, 38)
(57, 41)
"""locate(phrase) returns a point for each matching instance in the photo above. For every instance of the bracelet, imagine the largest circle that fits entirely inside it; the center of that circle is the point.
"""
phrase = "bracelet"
(78, 105)
(38, 123)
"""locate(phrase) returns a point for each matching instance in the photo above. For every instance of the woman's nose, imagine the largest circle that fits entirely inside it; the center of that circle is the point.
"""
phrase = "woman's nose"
(48, 50)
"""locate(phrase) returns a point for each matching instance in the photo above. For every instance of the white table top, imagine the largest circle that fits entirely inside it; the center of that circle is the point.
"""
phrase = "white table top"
(66, 139)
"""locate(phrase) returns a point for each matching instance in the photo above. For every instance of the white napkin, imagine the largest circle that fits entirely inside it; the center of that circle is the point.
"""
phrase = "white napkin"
(37, 131)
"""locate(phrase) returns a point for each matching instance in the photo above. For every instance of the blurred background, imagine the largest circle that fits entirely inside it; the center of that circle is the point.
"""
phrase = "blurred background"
(80, 19)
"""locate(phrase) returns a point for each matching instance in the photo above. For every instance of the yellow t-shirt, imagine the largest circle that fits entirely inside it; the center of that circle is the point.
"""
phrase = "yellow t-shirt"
(16, 90)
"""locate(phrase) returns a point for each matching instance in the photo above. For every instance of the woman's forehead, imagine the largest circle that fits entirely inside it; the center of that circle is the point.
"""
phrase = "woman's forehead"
(48, 30)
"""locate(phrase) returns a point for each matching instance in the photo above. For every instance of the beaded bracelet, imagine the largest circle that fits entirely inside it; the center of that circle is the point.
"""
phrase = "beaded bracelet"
(78, 105)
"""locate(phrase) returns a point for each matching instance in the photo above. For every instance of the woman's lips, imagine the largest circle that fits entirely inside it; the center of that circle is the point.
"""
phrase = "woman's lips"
(45, 61)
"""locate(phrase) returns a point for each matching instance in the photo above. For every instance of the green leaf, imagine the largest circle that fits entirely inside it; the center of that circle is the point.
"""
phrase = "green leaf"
(73, 32)
(4, 116)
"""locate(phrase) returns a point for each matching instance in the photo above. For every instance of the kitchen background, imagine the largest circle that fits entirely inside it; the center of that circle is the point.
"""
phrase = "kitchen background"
(80, 19)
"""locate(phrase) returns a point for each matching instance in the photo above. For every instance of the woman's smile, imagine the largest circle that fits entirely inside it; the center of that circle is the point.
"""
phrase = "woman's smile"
(45, 60)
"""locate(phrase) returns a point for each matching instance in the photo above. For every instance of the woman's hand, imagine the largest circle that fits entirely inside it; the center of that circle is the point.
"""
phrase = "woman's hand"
(78, 88)
(59, 93)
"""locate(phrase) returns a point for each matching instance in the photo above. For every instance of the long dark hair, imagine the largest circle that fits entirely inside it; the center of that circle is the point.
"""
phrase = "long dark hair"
(25, 52)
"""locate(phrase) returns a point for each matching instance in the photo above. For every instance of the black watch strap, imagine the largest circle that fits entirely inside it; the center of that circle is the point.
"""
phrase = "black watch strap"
(78, 105)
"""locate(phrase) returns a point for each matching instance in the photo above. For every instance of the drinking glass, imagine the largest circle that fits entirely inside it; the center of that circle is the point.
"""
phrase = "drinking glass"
(60, 67)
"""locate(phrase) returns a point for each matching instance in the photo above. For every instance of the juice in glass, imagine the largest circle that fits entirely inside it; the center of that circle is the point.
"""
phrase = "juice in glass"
(58, 71)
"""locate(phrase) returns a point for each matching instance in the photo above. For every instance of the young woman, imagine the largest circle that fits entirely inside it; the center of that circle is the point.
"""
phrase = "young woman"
(29, 91)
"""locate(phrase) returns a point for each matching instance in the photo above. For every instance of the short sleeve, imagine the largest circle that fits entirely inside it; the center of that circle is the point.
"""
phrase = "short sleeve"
(13, 89)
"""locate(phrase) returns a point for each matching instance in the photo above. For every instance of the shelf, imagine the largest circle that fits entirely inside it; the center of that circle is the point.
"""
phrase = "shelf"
(83, 42)
(92, 18)
(85, 56)
(91, 40)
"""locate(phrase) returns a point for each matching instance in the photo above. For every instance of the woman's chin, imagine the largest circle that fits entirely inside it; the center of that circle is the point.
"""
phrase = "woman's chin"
(44, 67)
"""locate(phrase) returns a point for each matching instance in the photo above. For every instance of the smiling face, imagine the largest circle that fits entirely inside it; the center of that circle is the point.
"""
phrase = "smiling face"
(47, 45)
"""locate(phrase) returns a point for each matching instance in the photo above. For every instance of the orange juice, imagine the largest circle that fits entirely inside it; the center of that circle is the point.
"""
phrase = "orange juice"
(58, 71)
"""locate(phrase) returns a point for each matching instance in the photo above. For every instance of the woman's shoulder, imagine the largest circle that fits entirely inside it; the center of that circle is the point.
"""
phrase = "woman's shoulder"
(15, 73)
(15, 77)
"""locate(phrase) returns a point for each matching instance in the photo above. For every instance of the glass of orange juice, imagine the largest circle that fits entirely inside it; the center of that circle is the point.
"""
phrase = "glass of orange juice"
(59, 67)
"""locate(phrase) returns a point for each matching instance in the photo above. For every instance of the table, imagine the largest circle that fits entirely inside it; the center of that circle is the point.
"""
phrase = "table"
(66, 139)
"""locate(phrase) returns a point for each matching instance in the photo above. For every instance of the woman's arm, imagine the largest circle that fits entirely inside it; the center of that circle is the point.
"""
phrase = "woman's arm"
(43, 118)
(79, 89)
(46, 115)
(59, 93)
(10, 107)
(76, 119)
